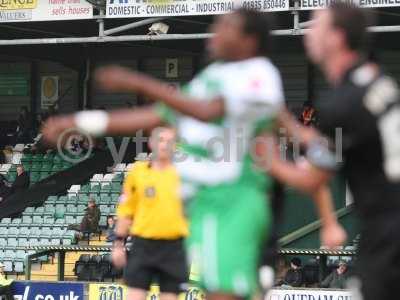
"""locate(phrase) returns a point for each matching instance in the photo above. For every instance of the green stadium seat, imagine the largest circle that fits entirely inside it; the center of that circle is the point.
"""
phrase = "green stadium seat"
(72, 199)
(33, 241)
(35, 233)
(12, 242)
(39, 211)
(24, 232)
(57, 159)
(119, 177)
(26, 220)
(6, 221)
(71, 209)
(36, 167)
(49, 209)
(35, 176)
(57, 168)
(62, 200)
(37, 158)
(51, 200)
(106, 189)
(81, 207)
(95, 188)
(60, 212)
(103, 221)
(69, 219)
(9, 255)
(85, 189)
(16, 221)
(11, 176)
(45, 233)
(115, 197)
(104, 209)
(48, 221)
(60, 221)
(4, 232)
(8, 265)
(116, 187)
(79, 218)
(48, 157)
(46, 167)
(44, 175)
(104, 199)
(19, 267)
(57, 233)
(3, 243)
(23, 242)
(13, 232)
(37, 220)
(27, 167)
(83, 199)
(26, 158)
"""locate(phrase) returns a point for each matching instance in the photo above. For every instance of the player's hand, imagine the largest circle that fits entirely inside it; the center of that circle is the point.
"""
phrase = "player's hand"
(54, 127)
(118, 256)
(267, 277)
(333, 235)
(117, 79)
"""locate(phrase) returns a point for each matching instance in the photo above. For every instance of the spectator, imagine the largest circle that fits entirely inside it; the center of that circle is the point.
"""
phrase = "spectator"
(90, 221)
(110, 229)
(337, 279)
(294, 276)
(22, 181)
(5, 190)
(25, 126)
(308, 116)
(5, 285)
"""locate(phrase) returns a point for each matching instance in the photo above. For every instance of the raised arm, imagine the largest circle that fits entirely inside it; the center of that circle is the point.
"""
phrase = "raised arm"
(295, 129)
(309, 179)
(119, 122)
(119, 79)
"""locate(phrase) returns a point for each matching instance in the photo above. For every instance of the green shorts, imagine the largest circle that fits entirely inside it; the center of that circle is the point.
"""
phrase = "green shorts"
(229, 224)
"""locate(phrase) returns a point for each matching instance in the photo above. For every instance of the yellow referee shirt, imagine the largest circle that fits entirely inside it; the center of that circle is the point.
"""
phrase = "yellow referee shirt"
(151, 197)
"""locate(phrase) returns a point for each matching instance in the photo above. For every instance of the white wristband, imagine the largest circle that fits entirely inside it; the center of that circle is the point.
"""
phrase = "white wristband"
(93, 122)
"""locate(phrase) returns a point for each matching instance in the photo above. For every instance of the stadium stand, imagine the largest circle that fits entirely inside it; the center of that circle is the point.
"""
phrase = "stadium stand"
(47, 224)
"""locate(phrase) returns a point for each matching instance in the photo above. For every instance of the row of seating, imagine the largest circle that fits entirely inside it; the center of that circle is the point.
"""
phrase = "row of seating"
(106, 199)
(38, 221)
(95, 268)
(48, 158)
(14, 261)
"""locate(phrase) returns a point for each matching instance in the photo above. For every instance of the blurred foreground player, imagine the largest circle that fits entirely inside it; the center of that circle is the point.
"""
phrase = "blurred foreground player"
(364, 105)
(233, 100)
(150, 210)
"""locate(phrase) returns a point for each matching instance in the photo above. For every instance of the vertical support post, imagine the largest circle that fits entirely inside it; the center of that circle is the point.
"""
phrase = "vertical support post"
(61, 265)
(323, 260)
(35, 80)
(101, 23)
(296, 17)
(28, 267)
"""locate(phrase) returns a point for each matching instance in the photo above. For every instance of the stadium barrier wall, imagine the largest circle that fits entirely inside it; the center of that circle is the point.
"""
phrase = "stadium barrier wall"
(40, 290)
(308, 294)
(37, 290)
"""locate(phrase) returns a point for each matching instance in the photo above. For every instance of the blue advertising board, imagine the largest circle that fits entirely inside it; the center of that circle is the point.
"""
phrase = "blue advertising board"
(27, 290)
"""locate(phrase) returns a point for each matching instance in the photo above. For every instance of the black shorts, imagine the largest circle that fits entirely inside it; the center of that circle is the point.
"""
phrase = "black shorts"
(378, 264)
(157, 261)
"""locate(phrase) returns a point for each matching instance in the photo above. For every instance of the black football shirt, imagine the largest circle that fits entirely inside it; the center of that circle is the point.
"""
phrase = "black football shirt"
(361, 116)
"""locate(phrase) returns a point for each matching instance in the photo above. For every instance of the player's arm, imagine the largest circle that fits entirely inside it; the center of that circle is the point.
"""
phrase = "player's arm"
(295, 129)
(119, 79)
(332, 233)
(98, 123)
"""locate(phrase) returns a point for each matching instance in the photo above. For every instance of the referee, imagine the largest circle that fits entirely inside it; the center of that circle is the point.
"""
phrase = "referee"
(151, 211)
(364, 106)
